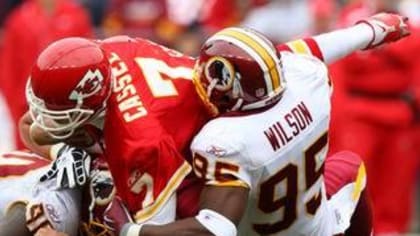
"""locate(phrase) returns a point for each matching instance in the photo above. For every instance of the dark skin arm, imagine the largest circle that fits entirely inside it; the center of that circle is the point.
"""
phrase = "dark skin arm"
(228, 201)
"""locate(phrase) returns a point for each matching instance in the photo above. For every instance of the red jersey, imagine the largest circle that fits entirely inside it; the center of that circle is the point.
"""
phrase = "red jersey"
(151, 118)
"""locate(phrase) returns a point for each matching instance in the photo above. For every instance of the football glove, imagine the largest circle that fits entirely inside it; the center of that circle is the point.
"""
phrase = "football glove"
(387, 28)
(71, 167)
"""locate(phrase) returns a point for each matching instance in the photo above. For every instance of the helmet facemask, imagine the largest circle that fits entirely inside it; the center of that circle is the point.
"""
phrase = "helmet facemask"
(58, 124)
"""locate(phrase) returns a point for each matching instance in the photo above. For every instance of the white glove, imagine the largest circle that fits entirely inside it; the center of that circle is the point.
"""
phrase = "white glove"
(71, 168)
(387, 28)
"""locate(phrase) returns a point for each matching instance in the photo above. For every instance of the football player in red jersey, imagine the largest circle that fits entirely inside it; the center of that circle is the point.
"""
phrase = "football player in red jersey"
(140, 98)
(149, 120)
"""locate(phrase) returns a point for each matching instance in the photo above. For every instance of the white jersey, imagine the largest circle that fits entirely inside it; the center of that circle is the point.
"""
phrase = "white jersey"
(19, 182)
(278, 154)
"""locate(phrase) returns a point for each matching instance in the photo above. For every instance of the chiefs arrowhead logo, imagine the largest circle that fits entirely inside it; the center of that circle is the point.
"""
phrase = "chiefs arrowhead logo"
(88, 86)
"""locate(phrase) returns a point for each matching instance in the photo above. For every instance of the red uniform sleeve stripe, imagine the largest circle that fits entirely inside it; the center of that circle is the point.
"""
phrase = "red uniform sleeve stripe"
(313, 46)
(18, 170)
(283, 47)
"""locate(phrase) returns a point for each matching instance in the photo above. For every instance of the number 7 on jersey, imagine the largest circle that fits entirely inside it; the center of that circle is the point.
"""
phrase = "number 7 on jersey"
(155, 71)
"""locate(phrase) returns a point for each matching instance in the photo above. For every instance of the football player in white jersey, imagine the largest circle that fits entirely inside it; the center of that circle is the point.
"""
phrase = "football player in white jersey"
(263, 159)
(27, 205)
(31, 207)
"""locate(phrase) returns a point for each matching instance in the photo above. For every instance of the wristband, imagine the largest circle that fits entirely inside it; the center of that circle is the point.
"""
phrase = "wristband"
(216, 223)
(131, 229)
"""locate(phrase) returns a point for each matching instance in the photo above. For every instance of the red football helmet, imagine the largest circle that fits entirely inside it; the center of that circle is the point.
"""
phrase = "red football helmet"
(68, 86)
(238, 69)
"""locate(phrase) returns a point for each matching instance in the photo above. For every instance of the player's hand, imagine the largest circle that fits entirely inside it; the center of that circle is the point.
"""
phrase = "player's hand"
(71, 167)
(116, 215)
(387, 28)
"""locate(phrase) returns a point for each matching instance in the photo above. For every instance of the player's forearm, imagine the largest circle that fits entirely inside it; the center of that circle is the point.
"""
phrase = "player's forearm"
(340, 43)
(24, 131)
(370, 33)
(221, 211)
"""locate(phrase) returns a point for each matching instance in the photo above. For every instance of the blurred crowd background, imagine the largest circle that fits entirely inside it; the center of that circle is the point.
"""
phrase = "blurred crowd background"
(376, 103)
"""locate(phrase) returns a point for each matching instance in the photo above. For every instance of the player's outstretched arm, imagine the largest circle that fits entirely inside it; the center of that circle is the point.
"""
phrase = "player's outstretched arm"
(368, 33)
(221, 211)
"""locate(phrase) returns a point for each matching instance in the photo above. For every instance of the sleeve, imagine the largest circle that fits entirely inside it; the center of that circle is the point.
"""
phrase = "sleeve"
(307, 46)
(18, 163)
(144, 161)
(330, 47)
(307, 71)
(219, 162)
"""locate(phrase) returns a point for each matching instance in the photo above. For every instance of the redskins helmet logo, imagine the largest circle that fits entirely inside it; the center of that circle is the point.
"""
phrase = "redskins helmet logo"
(221, 70)
(88, 86)
(102, 188)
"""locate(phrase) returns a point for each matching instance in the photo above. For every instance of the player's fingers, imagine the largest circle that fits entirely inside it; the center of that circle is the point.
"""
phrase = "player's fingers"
(405, 31)
(70, 177)
(80, 173)
(60, 181)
